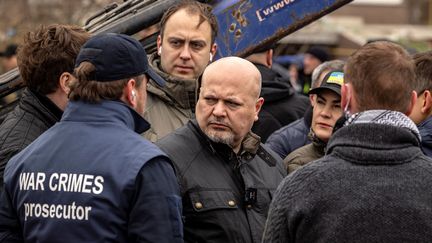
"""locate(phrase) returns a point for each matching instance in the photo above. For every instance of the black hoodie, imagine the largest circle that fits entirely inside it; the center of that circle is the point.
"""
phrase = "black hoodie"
(282, 105)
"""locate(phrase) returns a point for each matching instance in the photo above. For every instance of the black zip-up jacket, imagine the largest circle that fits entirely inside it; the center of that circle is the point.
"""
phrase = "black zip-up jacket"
(225, 196)
(30, 118)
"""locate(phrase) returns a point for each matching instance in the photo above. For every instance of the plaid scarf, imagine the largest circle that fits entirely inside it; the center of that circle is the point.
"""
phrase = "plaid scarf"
(392, 118)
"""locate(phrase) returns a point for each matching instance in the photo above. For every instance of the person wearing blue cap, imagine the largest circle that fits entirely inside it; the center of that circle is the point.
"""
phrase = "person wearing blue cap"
(92, 176)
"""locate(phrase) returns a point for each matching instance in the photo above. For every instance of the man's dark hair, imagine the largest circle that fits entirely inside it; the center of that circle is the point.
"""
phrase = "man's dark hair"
(48, 52)
(423, 70)
(193, 7)
(382, 75)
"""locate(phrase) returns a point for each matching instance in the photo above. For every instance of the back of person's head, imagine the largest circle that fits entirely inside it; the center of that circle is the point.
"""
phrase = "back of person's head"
(382, 76)
(324, 68)
(104, 66)
(313, 57)
(193, 8)
(423, 70)
(48, 52)
(263, 55)
(319, 53)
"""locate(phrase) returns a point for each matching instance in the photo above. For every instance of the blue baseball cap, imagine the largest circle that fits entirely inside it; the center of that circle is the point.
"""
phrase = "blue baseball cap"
(115, 57)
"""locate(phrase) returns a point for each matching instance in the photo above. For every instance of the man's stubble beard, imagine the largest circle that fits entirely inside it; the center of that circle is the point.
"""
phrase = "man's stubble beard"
(217, 137)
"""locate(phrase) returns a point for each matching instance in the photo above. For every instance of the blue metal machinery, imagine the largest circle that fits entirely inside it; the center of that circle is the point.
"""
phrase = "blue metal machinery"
(247, 25)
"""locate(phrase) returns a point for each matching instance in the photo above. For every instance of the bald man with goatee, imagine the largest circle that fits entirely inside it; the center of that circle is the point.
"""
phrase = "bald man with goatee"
(226, 175)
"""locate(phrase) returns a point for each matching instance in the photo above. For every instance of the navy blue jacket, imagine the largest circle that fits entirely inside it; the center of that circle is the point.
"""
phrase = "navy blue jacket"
(425, 129)
(292, 136)
(92, 178)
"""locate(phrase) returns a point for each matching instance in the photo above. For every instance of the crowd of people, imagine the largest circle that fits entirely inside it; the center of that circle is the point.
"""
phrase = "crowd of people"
(113, 144)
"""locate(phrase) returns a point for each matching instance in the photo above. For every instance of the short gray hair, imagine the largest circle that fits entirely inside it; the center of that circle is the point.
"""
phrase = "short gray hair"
(327, 66)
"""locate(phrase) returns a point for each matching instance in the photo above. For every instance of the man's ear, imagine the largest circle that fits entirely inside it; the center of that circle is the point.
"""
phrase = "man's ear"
(258, 106)
(427, 103)
(269, 58)
(412, 103)
(129, 96)
(346, 96)
(312, 99)
(159, 44)
(213, 49)
(65, 81)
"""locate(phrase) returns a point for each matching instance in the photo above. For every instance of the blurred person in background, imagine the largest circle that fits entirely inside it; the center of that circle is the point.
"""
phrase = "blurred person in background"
(282, 105)
(9, 58)
(294, 135)
(313, 57)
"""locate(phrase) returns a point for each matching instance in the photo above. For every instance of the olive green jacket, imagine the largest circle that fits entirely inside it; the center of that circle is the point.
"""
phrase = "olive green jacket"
(305, 154)
(302, 156)
(169, 107)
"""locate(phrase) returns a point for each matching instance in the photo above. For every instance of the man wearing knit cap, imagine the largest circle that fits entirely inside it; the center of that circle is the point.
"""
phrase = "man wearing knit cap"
(92, 177)
(314, 57)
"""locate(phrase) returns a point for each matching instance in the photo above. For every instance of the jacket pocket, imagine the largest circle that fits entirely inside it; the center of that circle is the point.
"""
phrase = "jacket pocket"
(206, 200)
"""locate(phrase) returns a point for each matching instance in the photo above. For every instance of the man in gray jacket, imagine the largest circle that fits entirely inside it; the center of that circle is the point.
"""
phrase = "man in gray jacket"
(374, 183)
(227, 177)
